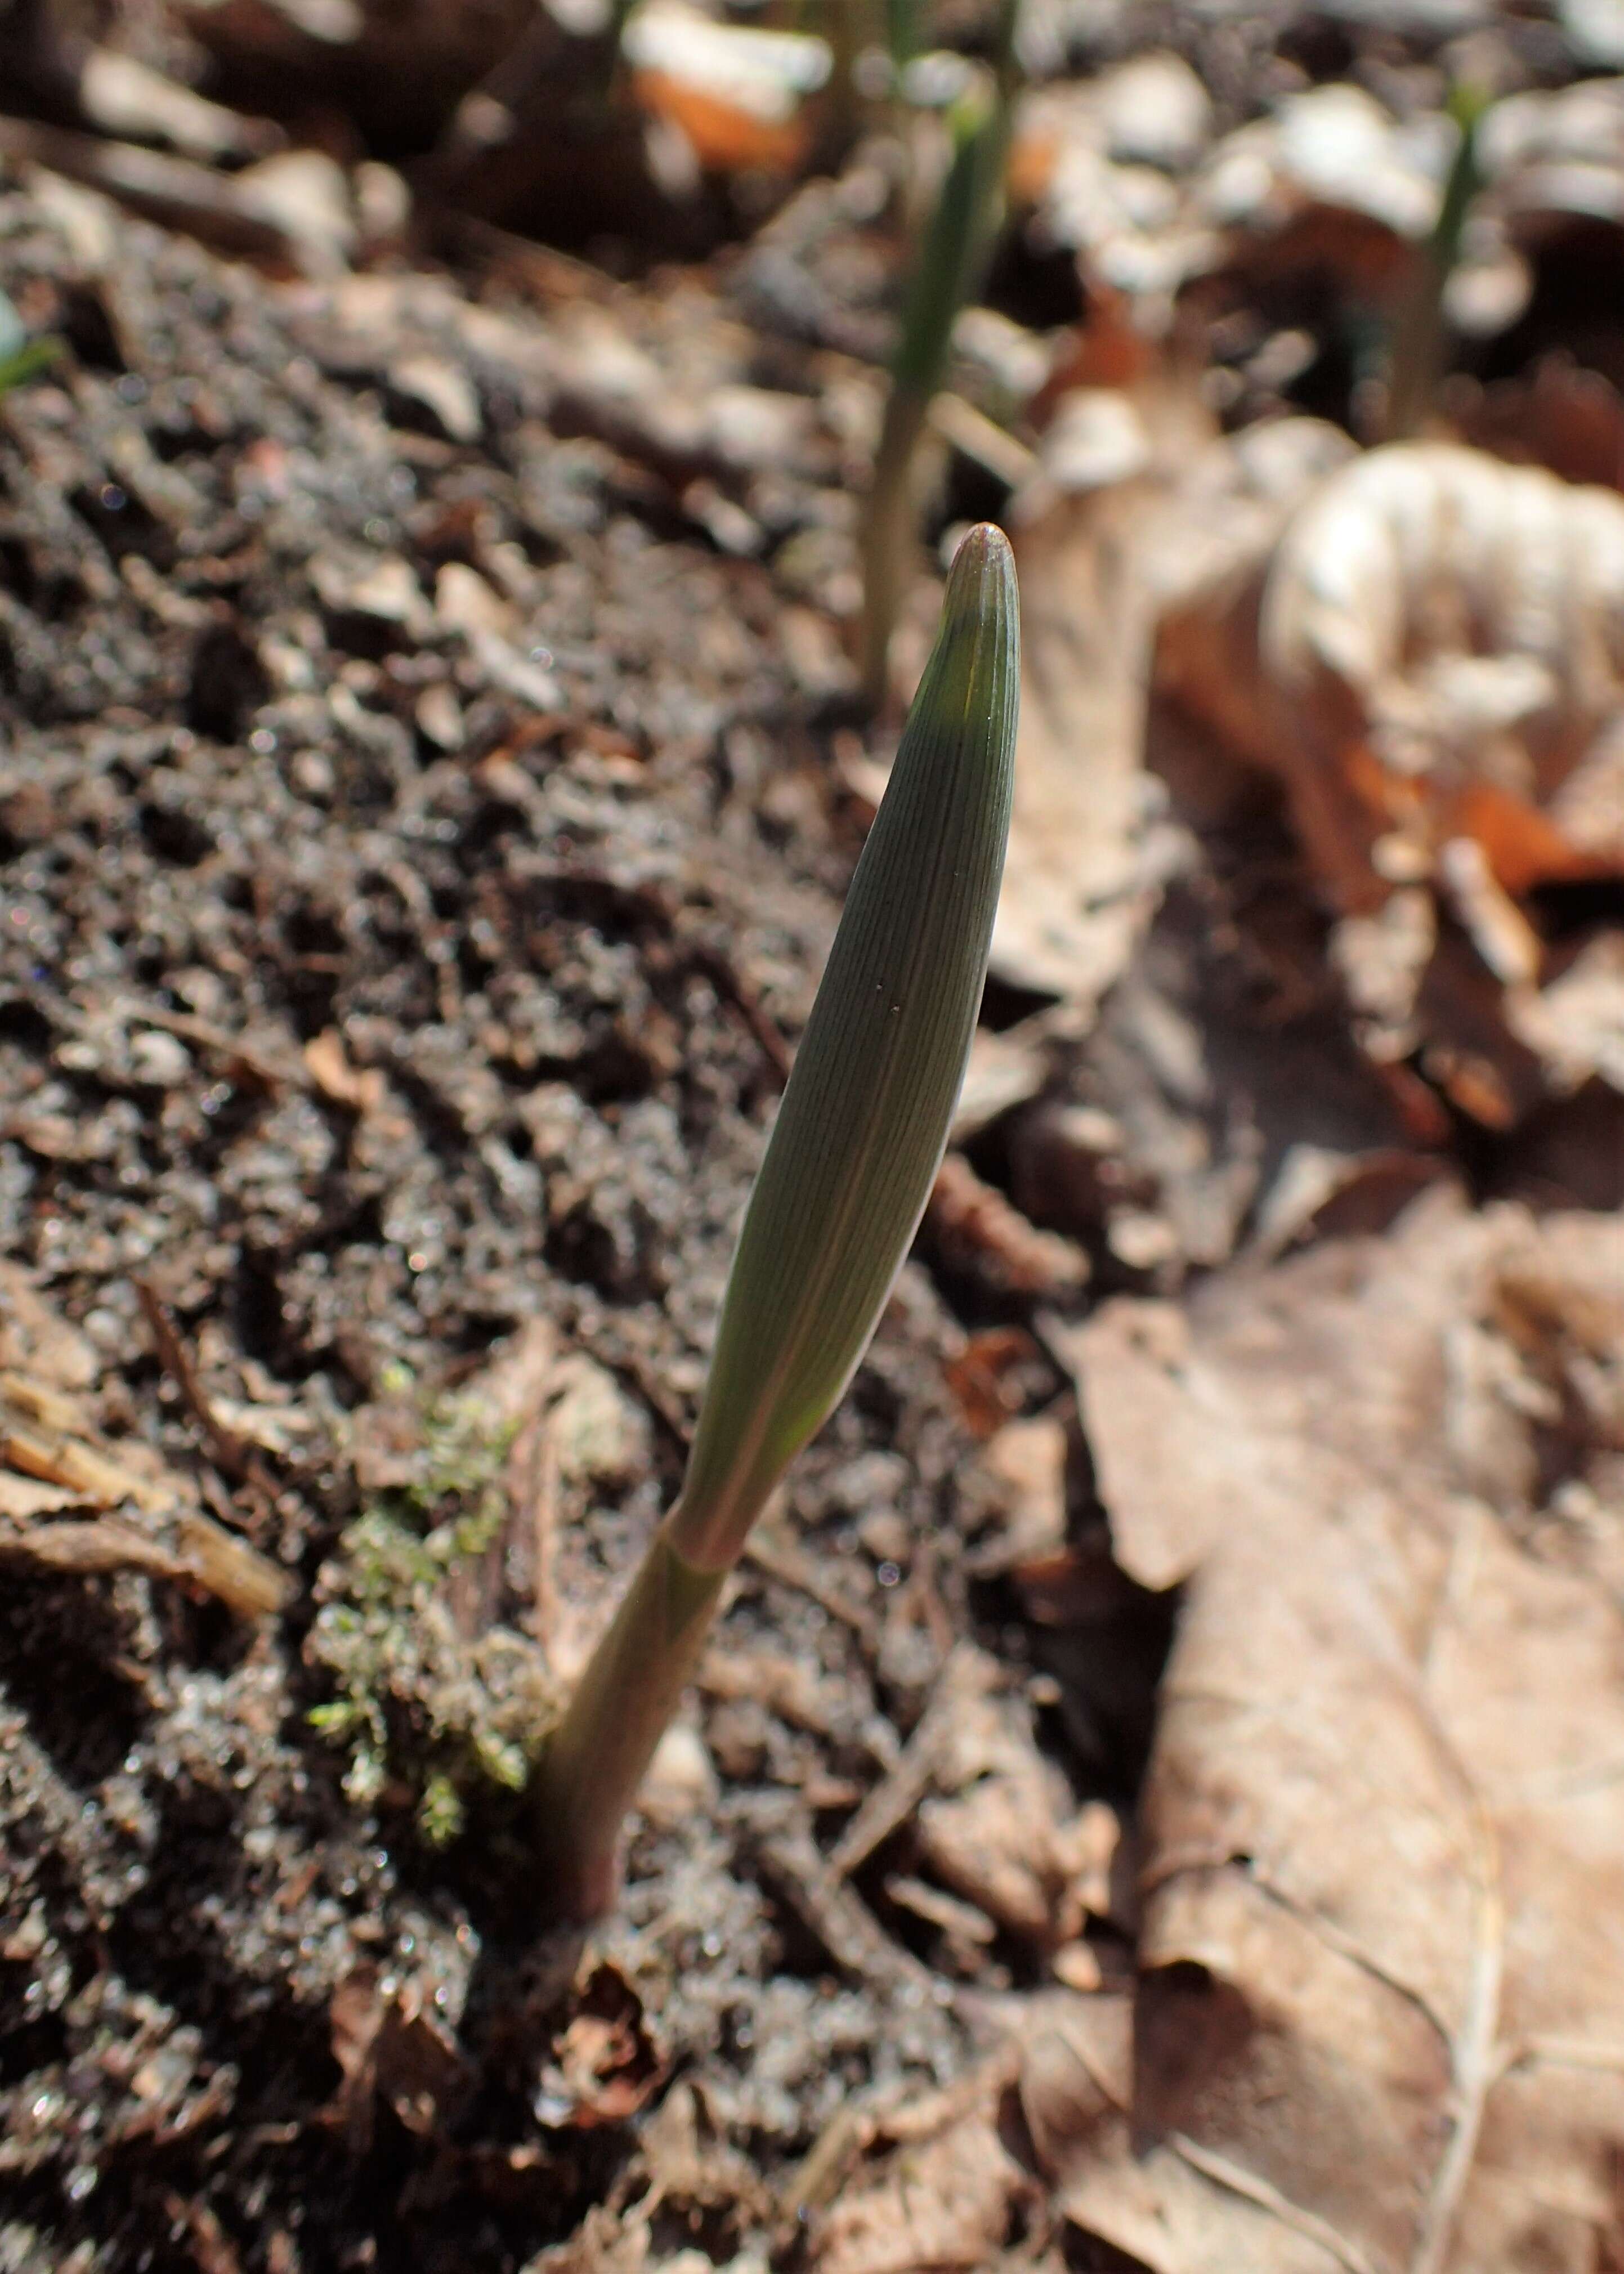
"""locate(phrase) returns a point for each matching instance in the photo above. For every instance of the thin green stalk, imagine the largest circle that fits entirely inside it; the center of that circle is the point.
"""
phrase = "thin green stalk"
(632, 1686)
(859, 1139)
(904, 32)
(613, 65)
(29, 361)
(21, 358)
(948, 270)
(1420, 331)
(842, 29)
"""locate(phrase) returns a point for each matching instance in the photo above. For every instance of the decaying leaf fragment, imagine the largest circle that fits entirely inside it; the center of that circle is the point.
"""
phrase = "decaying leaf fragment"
(1000, 1830)
(70, 1501)
(947, 2201)
(734, 93)
(1380, 2018)
(390, 2044)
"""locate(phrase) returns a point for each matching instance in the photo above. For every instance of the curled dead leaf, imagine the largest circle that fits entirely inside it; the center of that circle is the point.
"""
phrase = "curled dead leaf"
(1449, 631)
(606, 2063)
(1432, 660)
(734, 93)
(1078, 883)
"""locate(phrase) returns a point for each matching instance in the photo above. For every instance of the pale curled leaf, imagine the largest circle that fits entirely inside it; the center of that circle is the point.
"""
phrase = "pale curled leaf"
(1432, 660)
(864, 1120)
(1462, 622)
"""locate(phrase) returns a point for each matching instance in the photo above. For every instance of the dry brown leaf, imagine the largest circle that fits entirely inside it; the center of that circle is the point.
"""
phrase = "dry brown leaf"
(1020, 1479)
(734, 93)
(1240, 498)
(1138, 520)
(1560, 416)
(985, 1377)
(1381, 2020)
(355, 2015)
(389, 2044)
(1004, 1070)
(724, 137)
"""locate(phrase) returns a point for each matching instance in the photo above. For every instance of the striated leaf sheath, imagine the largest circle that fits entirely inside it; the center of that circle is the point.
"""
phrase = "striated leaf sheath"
(864, 1120)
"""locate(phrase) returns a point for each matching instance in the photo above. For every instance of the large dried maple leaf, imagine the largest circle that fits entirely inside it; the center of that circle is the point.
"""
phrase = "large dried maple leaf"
(1380, 2018)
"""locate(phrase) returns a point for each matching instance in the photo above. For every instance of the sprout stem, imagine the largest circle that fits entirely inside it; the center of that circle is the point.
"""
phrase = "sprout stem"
(947, 271)
(1420, 329)
(844, 1182)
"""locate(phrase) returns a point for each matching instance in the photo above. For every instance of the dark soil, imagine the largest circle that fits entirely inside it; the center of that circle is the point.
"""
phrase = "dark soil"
(560, 889)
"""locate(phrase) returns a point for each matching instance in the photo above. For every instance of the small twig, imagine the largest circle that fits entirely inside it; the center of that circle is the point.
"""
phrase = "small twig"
(230, 1453)
(839, 1916)
(241, 1061)
(983, 440)
(784, 1563)
(737, 991)
(175, 191)
(533, 1465)
(898, 1793)
(824, 2171)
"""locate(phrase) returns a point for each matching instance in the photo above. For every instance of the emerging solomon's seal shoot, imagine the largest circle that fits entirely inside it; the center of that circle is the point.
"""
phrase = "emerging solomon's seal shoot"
(859, 1139)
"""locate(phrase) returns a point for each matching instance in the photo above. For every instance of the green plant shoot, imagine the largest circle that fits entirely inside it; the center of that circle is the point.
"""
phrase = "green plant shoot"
(948, 269)
(1420, 329)
(848, 1172)
(21, 358)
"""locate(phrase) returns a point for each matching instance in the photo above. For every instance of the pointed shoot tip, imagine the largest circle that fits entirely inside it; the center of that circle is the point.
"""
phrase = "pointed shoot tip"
(982, 575)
